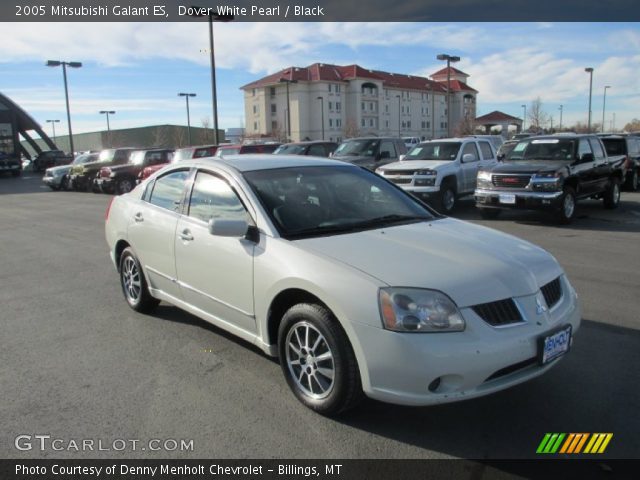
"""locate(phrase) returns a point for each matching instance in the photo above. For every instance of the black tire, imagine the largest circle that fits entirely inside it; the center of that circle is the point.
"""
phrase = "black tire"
(137, 296)
(490, 213)
(64, 183)
(447, 200)
(567, 210)
(344, 390)
(125, 185)
(612, 195)
(631, 183)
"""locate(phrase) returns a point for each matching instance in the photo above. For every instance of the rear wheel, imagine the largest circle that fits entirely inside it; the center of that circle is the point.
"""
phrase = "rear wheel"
(612, 195)
(567, 211)
(317, 360)
(124, 185)
(134, 285)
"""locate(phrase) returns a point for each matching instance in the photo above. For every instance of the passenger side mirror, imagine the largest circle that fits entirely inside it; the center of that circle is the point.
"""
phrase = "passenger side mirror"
(401, 157)
(500, 157)
(468, 158)
(222, 227)
(587, 157)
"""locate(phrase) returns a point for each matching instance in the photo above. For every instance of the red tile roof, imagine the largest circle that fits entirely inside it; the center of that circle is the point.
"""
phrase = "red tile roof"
(497, 116)
(454, 71)
(457, 86)
(343, 73)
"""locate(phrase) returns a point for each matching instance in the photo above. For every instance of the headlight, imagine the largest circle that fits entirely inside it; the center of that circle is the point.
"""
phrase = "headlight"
(418, 310)
(546, 181)
(484, 176)
(425, 172)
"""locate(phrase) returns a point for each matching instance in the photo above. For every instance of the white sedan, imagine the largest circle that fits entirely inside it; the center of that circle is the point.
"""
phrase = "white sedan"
(356, 286)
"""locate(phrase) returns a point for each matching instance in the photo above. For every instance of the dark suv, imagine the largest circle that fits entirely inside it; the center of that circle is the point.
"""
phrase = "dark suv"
(51, 158)
(316, 149)
(122, 178)
(10, 163)
(81, 176)
(370, 152)
(629, 146)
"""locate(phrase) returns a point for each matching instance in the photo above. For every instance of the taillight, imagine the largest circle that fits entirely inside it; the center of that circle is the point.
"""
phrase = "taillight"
(106, 214)
(105, 172)
(627, 162)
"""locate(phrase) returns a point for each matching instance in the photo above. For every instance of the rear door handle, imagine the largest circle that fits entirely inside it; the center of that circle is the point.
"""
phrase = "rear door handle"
(186, 235)
(138, 217)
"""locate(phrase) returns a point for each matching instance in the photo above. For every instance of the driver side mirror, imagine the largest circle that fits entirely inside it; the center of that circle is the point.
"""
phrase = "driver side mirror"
(228, 228)
(587, 157)
(468, 158)
(500, 157)
(402, 157)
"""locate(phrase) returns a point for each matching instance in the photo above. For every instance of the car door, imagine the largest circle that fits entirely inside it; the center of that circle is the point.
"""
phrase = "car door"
(469, 169)
(152, 229)
(585, 168)
(215, 273)
(602, 168)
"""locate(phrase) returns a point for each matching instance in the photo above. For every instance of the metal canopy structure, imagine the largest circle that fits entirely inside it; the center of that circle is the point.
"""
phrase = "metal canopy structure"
(16, 123)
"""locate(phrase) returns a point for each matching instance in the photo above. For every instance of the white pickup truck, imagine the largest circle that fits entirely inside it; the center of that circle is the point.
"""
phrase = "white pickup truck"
(441, 171)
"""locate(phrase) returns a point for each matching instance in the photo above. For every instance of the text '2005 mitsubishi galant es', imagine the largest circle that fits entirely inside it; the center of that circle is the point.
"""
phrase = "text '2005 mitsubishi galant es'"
(355, 285)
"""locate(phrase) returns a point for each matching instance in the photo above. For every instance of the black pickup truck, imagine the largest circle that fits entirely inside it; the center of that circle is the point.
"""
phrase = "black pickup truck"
(121, 179)
(81, 176)
(551, 172)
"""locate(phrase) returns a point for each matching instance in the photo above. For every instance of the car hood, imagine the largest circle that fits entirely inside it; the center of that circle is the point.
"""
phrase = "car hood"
(61, 170)
(417, 164)
(470, 263)
(530, 166)
(90, 166)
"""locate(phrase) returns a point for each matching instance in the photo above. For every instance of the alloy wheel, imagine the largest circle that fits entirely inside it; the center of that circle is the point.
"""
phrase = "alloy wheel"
(131, 280)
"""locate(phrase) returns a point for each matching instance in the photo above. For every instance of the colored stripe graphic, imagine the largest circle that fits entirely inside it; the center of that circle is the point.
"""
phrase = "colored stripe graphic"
(573, 443)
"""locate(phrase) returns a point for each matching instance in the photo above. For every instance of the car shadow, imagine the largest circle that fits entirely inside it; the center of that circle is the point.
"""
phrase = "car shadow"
(593, 389)
(28, 182)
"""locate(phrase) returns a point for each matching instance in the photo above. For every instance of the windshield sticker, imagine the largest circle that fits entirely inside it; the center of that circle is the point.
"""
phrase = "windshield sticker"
(546, 140)
(415, 151)
(520, 147)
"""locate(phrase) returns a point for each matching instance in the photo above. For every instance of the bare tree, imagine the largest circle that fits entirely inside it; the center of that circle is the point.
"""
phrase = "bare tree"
(466, 126)
(632, 126)
(159, 137)
(350, 129)
(538, 118)
(205, 134)
(278, 133)
(179, 137)
(580, 127)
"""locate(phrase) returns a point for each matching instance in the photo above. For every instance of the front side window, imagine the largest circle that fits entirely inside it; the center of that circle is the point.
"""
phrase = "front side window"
(212, 197)
(388, 147)
(597, 149)
(584, 148)
(472, 149)
(168, 189)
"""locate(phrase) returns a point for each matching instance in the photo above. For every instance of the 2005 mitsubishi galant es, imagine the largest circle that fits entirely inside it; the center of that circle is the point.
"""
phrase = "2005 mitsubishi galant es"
(354, 284)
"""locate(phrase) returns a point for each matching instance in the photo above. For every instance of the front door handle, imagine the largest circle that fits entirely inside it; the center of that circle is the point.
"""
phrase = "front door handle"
(186, 235)
(138, 217)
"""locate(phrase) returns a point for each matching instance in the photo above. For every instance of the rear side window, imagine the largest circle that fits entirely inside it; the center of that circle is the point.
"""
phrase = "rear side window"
(485, 148)
(212, 197)
(317, 150)
(168, 189)
(634, 146)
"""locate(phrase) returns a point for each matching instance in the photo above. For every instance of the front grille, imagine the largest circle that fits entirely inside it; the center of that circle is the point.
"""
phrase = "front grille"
(401, 181)
(510, 181)
(552, 292)
(502, 312)
(399, 172)
(512, 368)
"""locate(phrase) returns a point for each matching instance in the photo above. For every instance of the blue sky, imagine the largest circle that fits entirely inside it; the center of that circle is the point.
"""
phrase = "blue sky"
(138, 69)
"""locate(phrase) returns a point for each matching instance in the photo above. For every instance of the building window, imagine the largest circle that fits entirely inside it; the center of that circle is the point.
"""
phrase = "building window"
(386, 93)
(255, 126)
(423, 124)
(253, 92)
(386, 123)
(330, 105)
(330, 123)
(371, 106)
(273, 109)
(371, 122)
(329, 87)
(386, 109)
(409, 124)
(362, 105)
(274, 125)
(338, 106)
(338, 122)
(362, 123)
(255, 109)
(272, 90)
(337, 88)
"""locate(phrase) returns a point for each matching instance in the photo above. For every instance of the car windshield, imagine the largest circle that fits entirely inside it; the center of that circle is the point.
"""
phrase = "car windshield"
(543, 149)
(505, 148)
(361, 148)
(80, 159)
(137, 158)
(434, 151)
(106, 155)
(331, 200)
(290, 149)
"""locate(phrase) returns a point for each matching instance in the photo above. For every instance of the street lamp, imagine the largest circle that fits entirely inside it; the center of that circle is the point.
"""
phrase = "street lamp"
(107, 113)
(399, 132)
(186, 96)
(53, 126)
(604, 103)
(560, 127)
(589, 70)
(322, 113)
(287, 82)
(449, 59)
(524, 117)
(57, 63)
(214, 97)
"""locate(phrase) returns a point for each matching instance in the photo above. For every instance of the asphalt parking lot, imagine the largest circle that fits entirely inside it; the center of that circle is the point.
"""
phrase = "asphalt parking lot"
(77, 363)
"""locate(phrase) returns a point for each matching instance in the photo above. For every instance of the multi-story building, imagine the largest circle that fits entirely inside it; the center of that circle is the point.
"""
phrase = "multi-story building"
(333, 102)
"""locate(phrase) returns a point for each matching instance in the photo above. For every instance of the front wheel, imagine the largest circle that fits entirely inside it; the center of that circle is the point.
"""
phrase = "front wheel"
(567, 211)
(317, 360)
(134, 285)
(447, 199)
(612, 195)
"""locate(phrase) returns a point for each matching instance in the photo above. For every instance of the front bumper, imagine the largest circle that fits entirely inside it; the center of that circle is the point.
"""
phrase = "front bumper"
(433, 368)
(526, 200)
(55, 181)
(104, 184)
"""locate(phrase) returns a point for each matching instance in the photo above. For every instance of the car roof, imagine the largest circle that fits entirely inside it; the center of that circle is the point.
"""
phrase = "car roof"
(261, 161)
(309, 142)
(372, 138)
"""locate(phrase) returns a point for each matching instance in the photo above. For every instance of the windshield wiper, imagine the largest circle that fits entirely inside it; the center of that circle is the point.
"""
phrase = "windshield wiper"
(351, 227)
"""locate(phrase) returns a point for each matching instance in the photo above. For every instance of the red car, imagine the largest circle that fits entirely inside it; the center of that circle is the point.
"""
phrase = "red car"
(186, 153)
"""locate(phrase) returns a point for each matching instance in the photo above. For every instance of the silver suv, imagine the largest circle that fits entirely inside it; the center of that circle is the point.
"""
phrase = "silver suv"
(441, 171)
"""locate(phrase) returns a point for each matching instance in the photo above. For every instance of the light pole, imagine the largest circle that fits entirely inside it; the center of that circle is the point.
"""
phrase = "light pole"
(524, 117)
(560, 127)
(399, 132)
(589, 70)
(107, 113)
(186, 96)
(322, 113)
(604, 103)
(57, 63)
(214, 96)
(53, 126)
(449, 59)
(286, 81)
